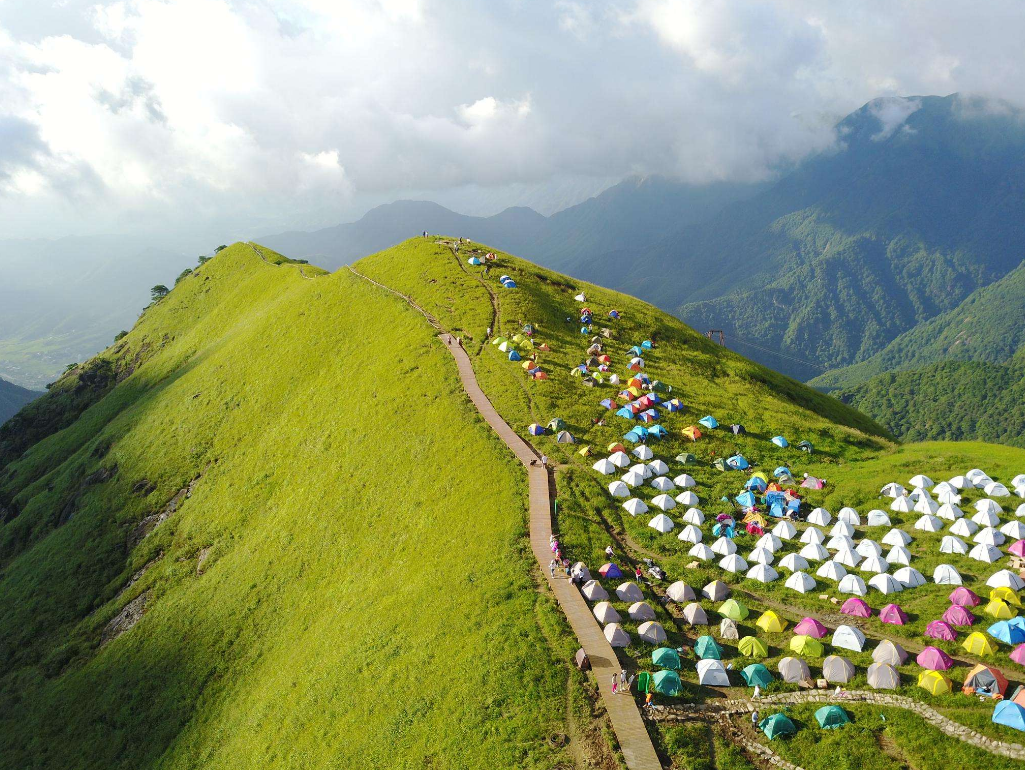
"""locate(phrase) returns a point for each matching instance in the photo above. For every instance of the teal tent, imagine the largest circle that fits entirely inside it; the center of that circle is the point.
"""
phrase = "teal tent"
(706, 648)
(756, 675)
(830, 717)
(667, 683)
(666, 657)
(777, 725)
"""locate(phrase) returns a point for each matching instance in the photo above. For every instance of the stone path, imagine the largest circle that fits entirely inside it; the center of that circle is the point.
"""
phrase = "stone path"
(930, 715)
(631, 733)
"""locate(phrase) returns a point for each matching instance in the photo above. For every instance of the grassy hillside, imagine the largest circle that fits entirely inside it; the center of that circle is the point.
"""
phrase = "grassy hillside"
(988, 326)
(345, 583)
(13, 398)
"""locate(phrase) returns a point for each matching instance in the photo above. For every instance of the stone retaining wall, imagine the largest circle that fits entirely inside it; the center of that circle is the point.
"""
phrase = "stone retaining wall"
(930, 715)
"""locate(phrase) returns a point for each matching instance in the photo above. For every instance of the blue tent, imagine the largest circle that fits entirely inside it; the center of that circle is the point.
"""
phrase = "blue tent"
(625, 412)
(584, 330)
(782, 471)
(514, 356)
(780, 441)
(613, 314)
(738, 463)
(608, 403)
(1010, 714)
(1007, 631)
(746, 499)
(654, 397)
(657, 431)
(718, 530)
(474, 261)
(652, 413)
(633, 437)
(756, 483)
(635, 350)
(505, 278)
(536, 430)
(709, 422)
(647, 344)
(509, 284)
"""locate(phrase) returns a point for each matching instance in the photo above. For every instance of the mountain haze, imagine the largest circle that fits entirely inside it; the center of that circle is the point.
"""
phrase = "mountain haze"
(13, 398)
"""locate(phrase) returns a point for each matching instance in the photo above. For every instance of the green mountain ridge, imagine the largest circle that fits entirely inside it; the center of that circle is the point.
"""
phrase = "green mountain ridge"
(267, 528)
(12, 398)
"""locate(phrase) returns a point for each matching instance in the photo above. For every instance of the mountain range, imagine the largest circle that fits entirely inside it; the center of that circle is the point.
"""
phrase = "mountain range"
(12, 398)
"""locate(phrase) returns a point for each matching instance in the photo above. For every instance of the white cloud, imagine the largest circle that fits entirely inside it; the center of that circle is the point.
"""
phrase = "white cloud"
(265, 113)
(891, 112)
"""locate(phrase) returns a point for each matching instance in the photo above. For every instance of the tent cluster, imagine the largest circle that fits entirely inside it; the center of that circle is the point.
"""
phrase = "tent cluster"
(522, 348)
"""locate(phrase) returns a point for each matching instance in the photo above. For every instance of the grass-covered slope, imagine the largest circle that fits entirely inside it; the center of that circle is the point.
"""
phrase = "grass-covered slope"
(345, 584)
(12, 398)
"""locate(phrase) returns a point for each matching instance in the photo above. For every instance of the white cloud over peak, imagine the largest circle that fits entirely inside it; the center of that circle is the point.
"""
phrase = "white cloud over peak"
(258, 114)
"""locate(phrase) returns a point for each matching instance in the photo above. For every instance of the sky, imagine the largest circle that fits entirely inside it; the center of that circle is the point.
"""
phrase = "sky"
(254, 116)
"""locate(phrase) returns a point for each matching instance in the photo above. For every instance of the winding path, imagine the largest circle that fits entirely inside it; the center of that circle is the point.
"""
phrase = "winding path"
(631, 733)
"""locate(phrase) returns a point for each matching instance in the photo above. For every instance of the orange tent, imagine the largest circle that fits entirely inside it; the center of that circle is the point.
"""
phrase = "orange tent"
(543, 347)
(987, 679)
(528, 365)
(613, 448)
(539, 375)
(692, 432)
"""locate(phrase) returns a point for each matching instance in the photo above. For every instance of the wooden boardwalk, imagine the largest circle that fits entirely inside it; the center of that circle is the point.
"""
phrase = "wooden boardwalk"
(633, 738)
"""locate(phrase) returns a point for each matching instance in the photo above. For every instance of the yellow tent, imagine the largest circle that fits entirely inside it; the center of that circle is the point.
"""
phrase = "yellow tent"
(753, 647)
(586, 451)
(808, 646)
(771, 623)
(635, 392)
(1006, 594)
(760, 475)
(999, 609)
(528, 365)
(613, 448)
(978, 644)
(691, 432)
(934, 682)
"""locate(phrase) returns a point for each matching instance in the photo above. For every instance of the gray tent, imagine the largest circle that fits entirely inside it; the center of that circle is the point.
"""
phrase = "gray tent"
(794, 670)
(616, 636)
(695, 614)
(717, 591)
(837, 670)
(565, 437)
(629, 592)
(889, 652)
(641, 611)
(680, 592)
(593, 591)
(582, 661)
(580, 570)
(883, 676)
(652, 632)
(728, 629)
(605, 613)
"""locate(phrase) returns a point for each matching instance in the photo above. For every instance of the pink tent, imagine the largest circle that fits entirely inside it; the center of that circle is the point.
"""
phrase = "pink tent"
(893, 615)
(956, 615)
(1017, 548)
(856, 606)
(1018, 654)
(811, 627)
(934, 659)
(813, 483)
(964, 597)
(940, 629)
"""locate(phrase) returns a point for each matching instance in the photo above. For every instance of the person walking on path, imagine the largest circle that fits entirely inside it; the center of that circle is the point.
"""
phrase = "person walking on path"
(544, 461)
(609, 552)
(551, 568)
(622, 679)
(615, 682)
(757, 693)
(754, 718)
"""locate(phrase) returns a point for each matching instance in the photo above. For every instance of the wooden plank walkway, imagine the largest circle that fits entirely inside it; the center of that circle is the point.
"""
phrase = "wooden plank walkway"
(633, 738)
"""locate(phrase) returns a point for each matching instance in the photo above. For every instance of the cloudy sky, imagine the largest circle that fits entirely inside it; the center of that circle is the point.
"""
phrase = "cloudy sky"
(260, 115)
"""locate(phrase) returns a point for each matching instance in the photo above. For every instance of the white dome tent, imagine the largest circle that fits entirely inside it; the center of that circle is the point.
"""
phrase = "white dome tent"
(953, 544)
(1013, 529)
(761, 556)
(712, 674)
(605, 613)
(849, 516)
(724, 546)
(893, 490)
(763, 573)
(616, 636)
(927, 505)
(632, 479)
(605, 467)
(820, 517)
(690, 534)
(812, 535)
(641, 611)
(852, 584)
(687, 498)
(662, 523)
(885, 584)
(984, 553)
(694, 516)
(986, 519)
(899, 554)
(733, 563)
(658, 467)
(909, 577)
(946, 575)
(896, 537)
(769, 542)
(643, 452)
(990, 506)
(869, 548)
(793, 562)
(652, 632)
(594, 592)
(831, 570)
(989, 536)
(847, 557)
(620, 460)
(701, 552)
(1005, 578)
(619, 489)
(877, 518)
(928, 523)
(901, 504)
(800, 582)
(784, 530)
(663, 502)
(643, 470)
(662, 484)
(960, 482)
(921, 480)
(949, 512)
(685, 481)
(842, 528)
(874, 564)
(848, 638)
(964, 528)
(814, 552)
(680, 592)
(996, 489)
(635, 506)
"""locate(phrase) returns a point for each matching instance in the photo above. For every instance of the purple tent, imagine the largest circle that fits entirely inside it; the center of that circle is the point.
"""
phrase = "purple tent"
(964, 597)
(893, 615)
(956, 615)
(940, 629)
(811, 627)
(1018, 654)
(934, 659)
(610, 571)
(857, 607)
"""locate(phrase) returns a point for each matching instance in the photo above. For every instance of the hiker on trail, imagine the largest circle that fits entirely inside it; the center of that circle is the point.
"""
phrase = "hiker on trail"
(638, 574)
(459, 341)
(630, 682)
(648, 701)
(757, 693)
(622, 678)
(425, 233)
(754, 717)
(615, 681)
(544, 461)
(551, 567)
(489, 331)
(608, 551)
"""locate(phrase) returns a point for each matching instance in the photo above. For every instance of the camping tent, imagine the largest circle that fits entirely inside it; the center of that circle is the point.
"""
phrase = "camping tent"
(666, 657)
(667, 683)
(934, 659)
(794, 670)
(712, 673)
(652, 632)
(771, 623)
(680, 592)
(734, 610)
(856, 607)
(889, 652)
(958, 616)
(777, 726)
(883, 676)
(706, 648)
(605, 613)
(1009, 714)
(641, 611)
(756, 675)
(1008, 631)
(811, 627)
(695, 614)
(805, 645)
(934, 682)
(977, 644)
(716, 591)
(983, 680)
(831, 717)
(940, 629)
(944, 574)
(594, 592)
(728, 629)
(848, 638)
(616, 636)
(753, 647)
(629, 592)
(610, 571)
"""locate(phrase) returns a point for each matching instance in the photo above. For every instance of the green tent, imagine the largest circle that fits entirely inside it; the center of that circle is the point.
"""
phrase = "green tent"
(753, 647)
(661, 387)
(686, 458)
(756, 674)
(733, 610)
(667, 683)
(830, 717)
(644, 682)
(777, 725)
(557, 424)
(720, 465)
(706, 648)
(666, 657)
